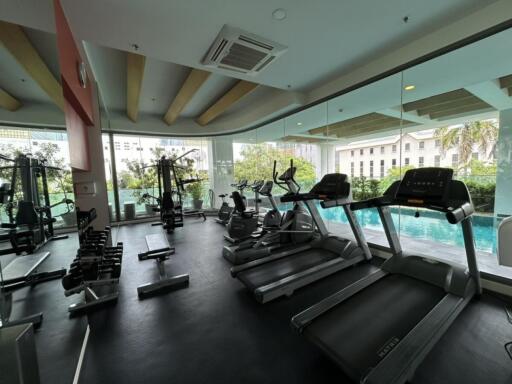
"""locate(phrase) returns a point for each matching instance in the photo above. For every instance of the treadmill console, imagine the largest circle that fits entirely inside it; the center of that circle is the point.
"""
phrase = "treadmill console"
(332, 186)
(288, 174)
(425, 184)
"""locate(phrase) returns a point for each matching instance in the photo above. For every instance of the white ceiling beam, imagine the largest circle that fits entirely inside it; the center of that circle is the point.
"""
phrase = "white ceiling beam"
(491, 92)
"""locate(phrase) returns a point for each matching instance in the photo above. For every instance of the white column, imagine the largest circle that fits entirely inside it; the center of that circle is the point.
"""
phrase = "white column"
(503, 202)
(327, 159)
(95, 177)
(221, 166)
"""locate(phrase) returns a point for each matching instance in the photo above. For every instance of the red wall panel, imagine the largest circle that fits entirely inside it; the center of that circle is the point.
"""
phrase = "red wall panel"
(79, 107)
(77, 139)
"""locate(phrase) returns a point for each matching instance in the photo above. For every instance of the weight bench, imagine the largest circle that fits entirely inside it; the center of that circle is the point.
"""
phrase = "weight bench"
(160, 250)
(19, 273)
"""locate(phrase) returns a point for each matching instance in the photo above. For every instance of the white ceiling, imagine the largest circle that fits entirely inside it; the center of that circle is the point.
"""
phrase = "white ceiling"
(324, 38)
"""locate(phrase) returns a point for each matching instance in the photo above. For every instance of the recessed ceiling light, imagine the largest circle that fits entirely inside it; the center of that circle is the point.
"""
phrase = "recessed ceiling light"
(409, 87)
(299, 123)
(279, 14)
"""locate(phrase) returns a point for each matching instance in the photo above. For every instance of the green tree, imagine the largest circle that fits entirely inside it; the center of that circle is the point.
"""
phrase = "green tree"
(258, 161)
(483, 134)
(59, 180)
(479, 168)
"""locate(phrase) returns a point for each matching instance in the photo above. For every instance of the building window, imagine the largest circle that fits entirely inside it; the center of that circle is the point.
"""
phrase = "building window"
(361, 168)
(361, 152)
(437, 161)
(437, 143)
(382, 150)
(393, 148)
(352, 168)
(393, 163)
(352, 153)
(371, 151)
(406, 161)
(382, 167)
(421, 161)
(474, 156)
(455, 160)
(407, 147)
(371, 169)
(421, 145)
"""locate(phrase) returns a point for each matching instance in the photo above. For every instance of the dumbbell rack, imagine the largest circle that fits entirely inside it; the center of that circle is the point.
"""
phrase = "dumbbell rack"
(96, 268)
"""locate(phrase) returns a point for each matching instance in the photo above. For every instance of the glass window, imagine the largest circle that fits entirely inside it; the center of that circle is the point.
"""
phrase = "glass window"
(393, 148)
(52, 146)
(393, 163)
(382, 168)
(421, 161)
(437, 143)
(437, 161)
(407, 147)
(371, 151)
(382, 150)
(352, 169)
(361, 152)
(361, 168)
(371, 169)
(455, 160)
(406, 161)
(352, 153)
(421, 145)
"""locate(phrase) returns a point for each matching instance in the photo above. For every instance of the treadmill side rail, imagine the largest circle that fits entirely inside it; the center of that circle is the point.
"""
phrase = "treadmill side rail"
(401, 363)
(275, 256)
(302, 319)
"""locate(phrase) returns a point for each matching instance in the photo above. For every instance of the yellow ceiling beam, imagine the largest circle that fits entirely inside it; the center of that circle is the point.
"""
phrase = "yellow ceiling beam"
(194, 81)
(135, 64)
(17, 43)
(8, 102)
(231, 97)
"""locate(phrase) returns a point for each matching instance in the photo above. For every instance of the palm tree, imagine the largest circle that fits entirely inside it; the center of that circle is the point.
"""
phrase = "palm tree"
(483, 134)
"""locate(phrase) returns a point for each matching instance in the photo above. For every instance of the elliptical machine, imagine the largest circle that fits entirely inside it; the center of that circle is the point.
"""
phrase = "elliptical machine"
(296, 227)
(243, 221)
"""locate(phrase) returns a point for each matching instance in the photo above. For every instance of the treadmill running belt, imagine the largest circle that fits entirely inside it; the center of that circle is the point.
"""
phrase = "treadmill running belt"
(359, 332)
(276, 270)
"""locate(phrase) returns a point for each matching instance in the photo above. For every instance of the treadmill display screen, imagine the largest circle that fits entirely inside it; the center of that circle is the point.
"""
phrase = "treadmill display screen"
(425, 184)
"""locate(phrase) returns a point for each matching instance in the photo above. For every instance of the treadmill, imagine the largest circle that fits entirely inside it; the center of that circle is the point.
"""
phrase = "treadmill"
(410, 302)
(281, 273)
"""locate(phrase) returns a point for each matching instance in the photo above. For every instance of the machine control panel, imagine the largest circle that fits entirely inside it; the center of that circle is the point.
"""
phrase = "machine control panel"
(425, 184)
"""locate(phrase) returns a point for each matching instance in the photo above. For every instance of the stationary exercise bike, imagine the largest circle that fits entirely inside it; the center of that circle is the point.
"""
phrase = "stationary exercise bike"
(225, 211)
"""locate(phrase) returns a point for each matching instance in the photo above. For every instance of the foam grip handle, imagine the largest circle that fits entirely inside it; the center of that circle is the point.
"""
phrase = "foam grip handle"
(458, 214)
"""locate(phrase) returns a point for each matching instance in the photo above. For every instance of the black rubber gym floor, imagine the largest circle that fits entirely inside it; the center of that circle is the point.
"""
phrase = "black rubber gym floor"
(215, 332)
(59, 339)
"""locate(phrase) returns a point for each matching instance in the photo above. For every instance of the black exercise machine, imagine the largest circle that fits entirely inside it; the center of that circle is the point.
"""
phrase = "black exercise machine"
(170, 193)
(29, 210)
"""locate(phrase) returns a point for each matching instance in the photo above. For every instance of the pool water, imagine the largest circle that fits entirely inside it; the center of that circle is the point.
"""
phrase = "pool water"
(430, 225)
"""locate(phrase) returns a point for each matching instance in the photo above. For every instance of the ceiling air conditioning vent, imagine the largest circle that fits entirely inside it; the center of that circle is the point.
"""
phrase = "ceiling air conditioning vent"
(240, 51)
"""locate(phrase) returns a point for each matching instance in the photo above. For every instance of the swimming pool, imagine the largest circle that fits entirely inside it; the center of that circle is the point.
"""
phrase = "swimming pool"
(430, 225)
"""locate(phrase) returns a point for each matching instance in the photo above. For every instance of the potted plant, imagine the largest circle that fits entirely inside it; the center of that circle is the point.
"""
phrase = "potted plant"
(149, 202)
(196, 192)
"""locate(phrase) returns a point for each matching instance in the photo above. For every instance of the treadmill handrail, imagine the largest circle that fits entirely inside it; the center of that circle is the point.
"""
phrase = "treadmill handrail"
(456, 210)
